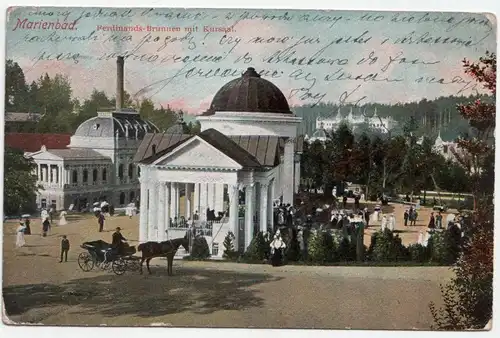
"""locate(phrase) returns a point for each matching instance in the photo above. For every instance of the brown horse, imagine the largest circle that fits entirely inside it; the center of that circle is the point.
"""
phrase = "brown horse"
(167, 249)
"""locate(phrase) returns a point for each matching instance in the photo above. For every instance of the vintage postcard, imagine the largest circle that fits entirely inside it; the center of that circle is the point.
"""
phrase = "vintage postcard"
(249, 168)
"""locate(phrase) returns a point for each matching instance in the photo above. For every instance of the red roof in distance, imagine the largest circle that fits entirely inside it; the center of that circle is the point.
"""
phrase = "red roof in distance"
(31, 142)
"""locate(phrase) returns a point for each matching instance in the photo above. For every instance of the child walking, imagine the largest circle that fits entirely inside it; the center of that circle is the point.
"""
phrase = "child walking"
(64, 249)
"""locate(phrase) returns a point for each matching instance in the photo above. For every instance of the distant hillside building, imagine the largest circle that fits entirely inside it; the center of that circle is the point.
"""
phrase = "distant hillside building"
(371, 121)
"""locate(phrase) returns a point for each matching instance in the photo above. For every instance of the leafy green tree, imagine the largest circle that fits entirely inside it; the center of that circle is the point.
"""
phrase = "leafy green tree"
(162, 118)
(54, 96)
(313, 163)
(16, 90)
(20, 186)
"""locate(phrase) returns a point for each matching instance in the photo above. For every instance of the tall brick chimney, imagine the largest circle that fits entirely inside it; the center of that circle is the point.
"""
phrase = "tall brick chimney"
(119, 83)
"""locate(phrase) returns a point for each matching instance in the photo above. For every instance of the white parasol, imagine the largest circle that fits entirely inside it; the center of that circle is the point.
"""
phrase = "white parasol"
(26, 216)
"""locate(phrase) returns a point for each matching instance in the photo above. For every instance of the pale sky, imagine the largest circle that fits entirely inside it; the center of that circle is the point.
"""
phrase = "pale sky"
(311, 56)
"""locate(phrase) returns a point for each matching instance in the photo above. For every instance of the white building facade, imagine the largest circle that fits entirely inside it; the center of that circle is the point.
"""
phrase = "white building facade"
(373, 121)
(246, 156)
(98, 163)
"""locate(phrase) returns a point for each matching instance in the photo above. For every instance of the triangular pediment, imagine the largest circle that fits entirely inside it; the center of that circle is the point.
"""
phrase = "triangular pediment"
(197, 153)
(45, 155)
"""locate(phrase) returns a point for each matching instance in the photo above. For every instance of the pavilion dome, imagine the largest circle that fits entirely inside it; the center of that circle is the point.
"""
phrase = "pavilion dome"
(249, 93)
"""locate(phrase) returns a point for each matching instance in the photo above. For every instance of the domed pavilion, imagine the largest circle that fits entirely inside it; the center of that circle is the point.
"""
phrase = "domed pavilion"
(246, 157)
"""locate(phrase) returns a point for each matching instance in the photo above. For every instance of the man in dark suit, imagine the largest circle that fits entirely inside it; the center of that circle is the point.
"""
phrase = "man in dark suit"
(118, 241)
(64, 248)
(100, 220)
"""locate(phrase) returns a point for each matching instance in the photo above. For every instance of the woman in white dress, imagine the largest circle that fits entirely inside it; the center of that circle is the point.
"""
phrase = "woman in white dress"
(420, 238)
(20, 235)
(62, 218)
(391, 223)
(383, 224)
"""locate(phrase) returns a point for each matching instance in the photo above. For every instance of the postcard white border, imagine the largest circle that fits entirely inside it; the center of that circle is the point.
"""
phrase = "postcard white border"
(490, 6)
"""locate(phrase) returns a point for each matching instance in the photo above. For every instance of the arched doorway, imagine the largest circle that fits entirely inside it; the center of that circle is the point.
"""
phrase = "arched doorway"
(122, 198)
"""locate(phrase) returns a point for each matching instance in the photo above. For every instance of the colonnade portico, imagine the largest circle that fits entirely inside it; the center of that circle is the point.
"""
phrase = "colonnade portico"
(159, 205)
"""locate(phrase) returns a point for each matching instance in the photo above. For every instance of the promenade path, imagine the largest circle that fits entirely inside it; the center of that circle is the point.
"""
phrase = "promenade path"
(38, 289)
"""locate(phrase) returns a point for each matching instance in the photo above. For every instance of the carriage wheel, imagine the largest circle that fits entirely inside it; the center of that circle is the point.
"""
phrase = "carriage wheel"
(86, 261)
(119, 266)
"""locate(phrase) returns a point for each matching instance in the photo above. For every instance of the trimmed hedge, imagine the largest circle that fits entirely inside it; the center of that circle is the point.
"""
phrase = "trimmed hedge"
(325, 247)
(259, 248)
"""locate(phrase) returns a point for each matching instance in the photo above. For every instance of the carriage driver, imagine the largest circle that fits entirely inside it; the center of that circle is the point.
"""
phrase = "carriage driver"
(118, 243)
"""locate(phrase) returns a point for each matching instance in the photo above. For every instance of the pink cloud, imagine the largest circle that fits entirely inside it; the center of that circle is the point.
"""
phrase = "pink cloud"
(204, 105)
(178, 103)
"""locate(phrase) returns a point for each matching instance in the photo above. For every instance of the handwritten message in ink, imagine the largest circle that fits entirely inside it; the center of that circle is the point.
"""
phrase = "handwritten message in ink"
(314, 56)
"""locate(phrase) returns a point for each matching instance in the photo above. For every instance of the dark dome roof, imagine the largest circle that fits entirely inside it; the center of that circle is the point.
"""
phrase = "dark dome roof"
(121, 125)
(249, 93)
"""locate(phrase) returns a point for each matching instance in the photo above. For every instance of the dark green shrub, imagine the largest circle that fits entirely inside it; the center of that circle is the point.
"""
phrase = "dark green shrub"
(468, 297)
(373, 242)
(388, 247)
(443, 248)
(292, 248)
(258, 248)
(317, 248)
(418, 253)
(200, 248)
(229, 250)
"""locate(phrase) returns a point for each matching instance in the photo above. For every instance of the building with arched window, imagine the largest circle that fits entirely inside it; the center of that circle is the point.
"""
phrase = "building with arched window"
(98, 162)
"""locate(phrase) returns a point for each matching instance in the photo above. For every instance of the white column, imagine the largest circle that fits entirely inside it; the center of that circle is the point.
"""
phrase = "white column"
(249, 213)
(167, 206)
(263, 206)
(219, 197)
(153, 211)
(177, 200)
(233, 193)
(39, 172)
(211, 195)
(196, 198)
(288, 181)
(45, 172)
(161, 212)
(173, 196)
(143, 212)
(297, 174)
(187, 202)
(270, 210)
(204, 202)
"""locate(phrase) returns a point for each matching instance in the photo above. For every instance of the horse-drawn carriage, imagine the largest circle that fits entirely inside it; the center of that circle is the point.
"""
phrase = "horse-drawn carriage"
(101, 254)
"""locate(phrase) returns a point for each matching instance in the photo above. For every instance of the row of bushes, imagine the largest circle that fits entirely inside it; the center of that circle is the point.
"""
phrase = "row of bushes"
(324, 247)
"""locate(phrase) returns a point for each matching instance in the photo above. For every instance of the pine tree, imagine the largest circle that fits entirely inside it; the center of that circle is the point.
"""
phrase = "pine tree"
(229, 251)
